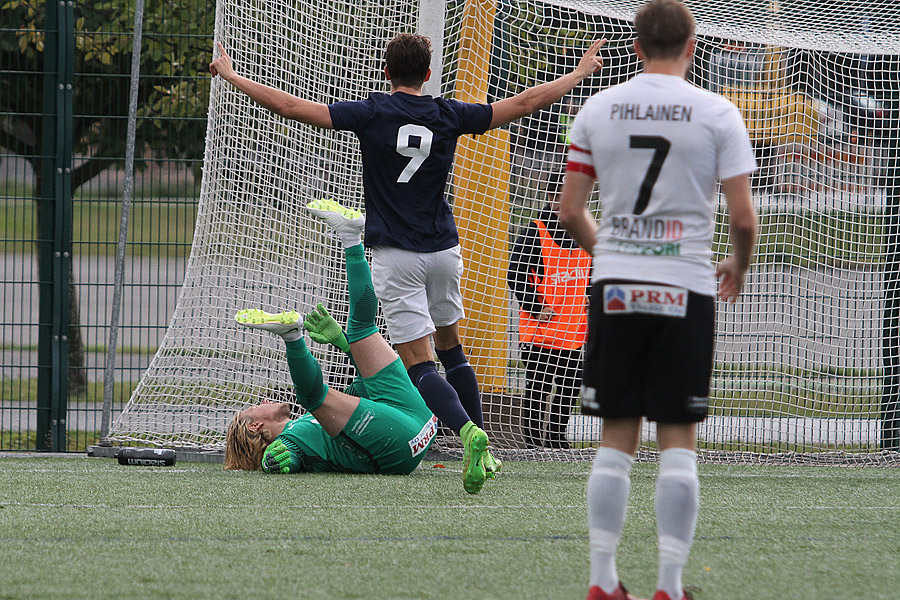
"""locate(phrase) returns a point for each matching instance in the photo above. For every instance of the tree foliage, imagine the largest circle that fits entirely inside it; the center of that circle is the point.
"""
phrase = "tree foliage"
(172, 95)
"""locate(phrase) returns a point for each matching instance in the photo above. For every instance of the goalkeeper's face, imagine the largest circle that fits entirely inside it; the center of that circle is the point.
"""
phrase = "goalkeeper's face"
(266, 414)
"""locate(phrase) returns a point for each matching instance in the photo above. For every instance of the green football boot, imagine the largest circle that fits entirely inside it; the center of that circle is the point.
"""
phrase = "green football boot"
(346, 223)
(475, 442)
(286, 324)
(492, 465)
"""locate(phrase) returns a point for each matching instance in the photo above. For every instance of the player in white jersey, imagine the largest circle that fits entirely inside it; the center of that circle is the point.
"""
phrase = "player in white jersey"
(656, 145)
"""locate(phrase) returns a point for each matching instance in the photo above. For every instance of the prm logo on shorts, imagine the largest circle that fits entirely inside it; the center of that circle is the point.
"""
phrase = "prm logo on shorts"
(645, 299)
(613, 299)
(420, 443)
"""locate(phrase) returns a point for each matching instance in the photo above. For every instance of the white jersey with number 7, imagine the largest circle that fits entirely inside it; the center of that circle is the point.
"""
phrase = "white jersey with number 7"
(657, 146)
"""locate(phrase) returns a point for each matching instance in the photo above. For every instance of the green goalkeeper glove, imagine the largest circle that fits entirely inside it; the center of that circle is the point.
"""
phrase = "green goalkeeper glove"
(277, 458)
(324, 329)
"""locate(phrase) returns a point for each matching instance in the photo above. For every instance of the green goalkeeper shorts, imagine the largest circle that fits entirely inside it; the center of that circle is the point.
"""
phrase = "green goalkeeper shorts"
(392, 428)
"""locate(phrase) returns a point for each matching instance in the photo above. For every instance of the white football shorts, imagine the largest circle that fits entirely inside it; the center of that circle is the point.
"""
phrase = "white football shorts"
(417, 290)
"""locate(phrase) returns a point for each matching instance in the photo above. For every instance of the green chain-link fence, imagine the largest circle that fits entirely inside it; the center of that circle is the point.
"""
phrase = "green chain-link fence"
(65, 71)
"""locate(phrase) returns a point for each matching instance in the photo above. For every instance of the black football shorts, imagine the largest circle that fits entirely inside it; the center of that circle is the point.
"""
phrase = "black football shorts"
(649, 352)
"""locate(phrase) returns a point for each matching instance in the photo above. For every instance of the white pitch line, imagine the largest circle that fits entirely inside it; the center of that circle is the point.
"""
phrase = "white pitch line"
(838, 474)
(295, 506)
(842, 507)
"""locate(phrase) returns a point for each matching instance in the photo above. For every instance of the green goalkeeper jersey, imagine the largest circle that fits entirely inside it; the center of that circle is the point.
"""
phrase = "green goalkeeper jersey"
(388, 432)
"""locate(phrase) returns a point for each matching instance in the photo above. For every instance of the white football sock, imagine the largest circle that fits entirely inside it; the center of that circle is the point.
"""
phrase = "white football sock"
(607, 498)
(677, 504)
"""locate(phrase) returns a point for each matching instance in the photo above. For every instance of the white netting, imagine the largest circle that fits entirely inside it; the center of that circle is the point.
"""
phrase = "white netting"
(800, 363)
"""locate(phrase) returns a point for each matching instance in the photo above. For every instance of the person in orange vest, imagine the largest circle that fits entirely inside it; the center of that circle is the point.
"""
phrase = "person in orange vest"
(549, 275)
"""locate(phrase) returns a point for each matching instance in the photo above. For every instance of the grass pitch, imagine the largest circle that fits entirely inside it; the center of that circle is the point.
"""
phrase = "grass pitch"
(76, 527)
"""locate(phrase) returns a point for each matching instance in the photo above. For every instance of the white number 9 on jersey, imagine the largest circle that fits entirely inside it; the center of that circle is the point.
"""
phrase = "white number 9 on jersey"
(418, 153)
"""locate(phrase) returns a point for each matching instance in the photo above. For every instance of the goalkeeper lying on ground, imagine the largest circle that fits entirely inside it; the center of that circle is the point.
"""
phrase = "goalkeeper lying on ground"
(388, 430)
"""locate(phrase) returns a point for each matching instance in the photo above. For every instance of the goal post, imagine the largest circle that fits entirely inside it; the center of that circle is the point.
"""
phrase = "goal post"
(807, 362)
(481, 207)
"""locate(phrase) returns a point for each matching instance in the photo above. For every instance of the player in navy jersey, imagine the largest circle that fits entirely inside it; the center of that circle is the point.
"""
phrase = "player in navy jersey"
(407, 142)
(655, 146)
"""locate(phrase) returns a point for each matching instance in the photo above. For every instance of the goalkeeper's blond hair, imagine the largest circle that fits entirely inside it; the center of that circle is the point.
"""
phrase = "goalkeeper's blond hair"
(244, 449)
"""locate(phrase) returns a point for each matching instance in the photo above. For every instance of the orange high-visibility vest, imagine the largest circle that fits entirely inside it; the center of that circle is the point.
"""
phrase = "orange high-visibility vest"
(563, 288)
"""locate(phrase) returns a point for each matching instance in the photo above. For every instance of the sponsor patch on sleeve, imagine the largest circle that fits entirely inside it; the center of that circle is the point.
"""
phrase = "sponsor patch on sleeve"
(645, 299)
(420, 443)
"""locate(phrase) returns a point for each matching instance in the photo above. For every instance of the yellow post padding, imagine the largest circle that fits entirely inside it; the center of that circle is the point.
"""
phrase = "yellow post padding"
(482, 215)
(481, 208)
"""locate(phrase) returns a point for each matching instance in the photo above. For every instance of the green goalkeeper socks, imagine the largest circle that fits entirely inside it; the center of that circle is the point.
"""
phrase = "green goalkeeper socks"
(306, 375)
(363, 302)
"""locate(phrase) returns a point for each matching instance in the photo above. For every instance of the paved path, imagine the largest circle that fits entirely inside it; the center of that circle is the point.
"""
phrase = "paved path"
(149, 297)
(22, 364)
(22, 416)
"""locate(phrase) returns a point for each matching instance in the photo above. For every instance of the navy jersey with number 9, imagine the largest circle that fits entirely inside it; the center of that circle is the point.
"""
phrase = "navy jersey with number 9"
(407, 144)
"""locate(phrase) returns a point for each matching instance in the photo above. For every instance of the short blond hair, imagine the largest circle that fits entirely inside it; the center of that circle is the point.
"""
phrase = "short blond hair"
(244, 449)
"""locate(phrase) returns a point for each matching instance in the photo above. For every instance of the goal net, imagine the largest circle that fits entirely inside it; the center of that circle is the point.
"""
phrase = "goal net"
(807, 363)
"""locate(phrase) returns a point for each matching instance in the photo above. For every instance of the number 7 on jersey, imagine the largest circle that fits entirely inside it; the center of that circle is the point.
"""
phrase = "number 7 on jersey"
(660, 147)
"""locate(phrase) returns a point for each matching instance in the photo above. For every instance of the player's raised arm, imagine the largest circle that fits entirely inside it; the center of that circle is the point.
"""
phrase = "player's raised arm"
(279, 102)
(541, 96)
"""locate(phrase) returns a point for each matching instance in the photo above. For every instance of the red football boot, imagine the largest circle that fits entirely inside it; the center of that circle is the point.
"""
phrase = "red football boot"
(661, 595)
(620, 593)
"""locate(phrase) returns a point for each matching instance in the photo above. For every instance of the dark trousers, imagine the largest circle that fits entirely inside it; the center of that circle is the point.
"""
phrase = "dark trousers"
(545, 413)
